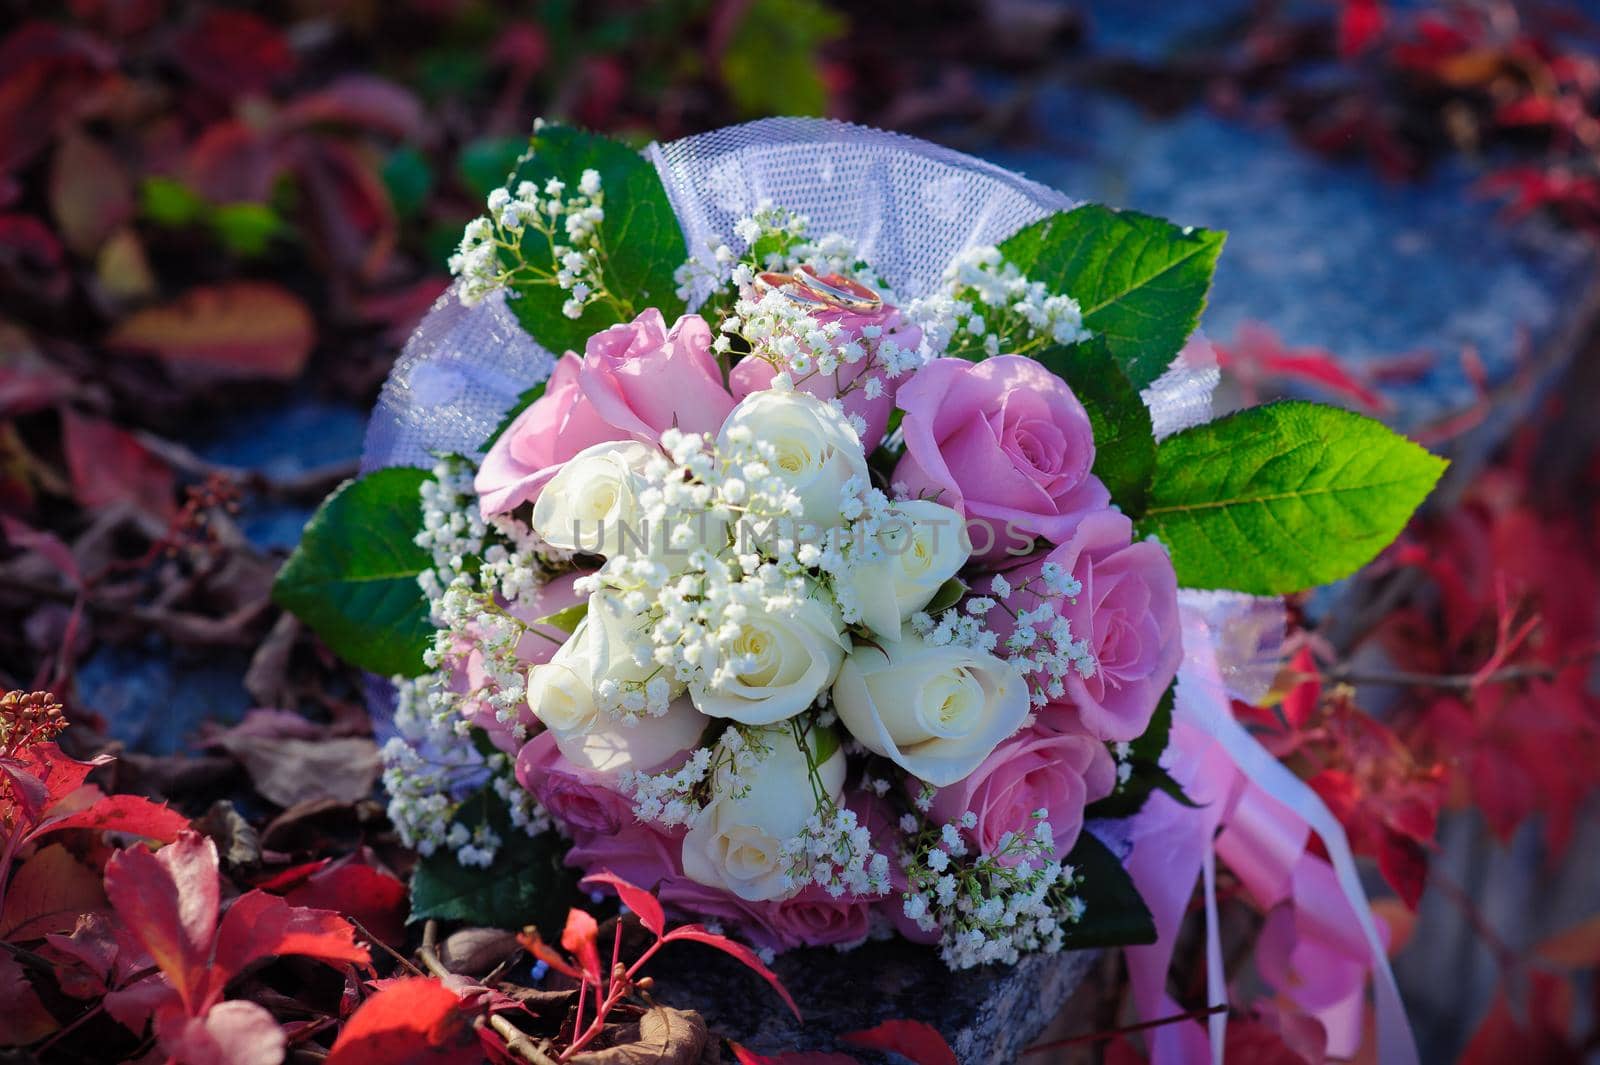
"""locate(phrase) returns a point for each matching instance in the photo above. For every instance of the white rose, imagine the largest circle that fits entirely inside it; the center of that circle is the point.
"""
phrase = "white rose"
(736, 841)
(619, 653)
(779, 663)
(935, 711)
(561, 695)
(644, 744)
(592, 504)
(816, 450)
(922, 549)
(559, 691)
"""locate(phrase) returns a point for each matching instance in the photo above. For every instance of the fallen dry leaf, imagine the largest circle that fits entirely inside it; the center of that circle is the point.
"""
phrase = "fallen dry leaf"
(287, 770)
(235, 329)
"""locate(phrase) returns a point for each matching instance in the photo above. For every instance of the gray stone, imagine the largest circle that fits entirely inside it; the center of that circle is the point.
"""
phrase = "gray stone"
(986, 1015)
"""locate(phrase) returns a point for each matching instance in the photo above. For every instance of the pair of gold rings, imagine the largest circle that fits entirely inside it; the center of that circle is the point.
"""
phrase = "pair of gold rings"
(807, 287)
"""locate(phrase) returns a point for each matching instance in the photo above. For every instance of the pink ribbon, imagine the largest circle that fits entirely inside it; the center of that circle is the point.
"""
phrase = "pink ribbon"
(1320, 940)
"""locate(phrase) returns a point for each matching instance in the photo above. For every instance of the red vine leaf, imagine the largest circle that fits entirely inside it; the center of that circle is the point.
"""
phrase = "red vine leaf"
(641, 902)
(412, 1021)
(698, 934)
(917, 1042)
(578, 939)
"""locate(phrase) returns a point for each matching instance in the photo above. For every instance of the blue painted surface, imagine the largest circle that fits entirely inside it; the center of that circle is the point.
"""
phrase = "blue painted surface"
(1330, 255)
(154, 701)
(303, 435)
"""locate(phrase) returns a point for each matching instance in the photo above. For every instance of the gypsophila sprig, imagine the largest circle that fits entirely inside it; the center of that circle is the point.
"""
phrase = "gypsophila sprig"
(989, 907)
(986, 307)
(535, 235)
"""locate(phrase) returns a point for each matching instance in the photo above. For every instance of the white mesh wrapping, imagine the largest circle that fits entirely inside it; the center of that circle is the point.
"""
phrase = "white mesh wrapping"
(910, 207)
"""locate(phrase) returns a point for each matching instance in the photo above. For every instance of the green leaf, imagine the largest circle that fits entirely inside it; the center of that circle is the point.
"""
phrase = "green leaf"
(353, 578)
(409, 179)
(245, 228)
(1141, 281)
(643, 241)
(527, 399)
(948, 595)
(484, 164)
(525, 884)
(566, 620)
(1124, 439)
(1144, 754)
(168, 202)
(1114, 915)
(1284, 497)
(772, 64)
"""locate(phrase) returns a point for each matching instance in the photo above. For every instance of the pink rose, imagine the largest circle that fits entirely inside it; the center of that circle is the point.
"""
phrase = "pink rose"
(1005, 442)
(1039, 769)
(700, 903)
(849, 381)
(640, 854)
(812, 918)
(634, 381)
(644, 380)
(555, 427)
(1128, 614)
(581, 799)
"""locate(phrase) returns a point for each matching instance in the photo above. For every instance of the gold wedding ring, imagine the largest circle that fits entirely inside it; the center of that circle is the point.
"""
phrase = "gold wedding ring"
(839, 290)
(805, 287)
(790, 286)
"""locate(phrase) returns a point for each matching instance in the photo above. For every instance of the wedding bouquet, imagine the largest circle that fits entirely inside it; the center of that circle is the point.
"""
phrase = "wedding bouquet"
(826, 596)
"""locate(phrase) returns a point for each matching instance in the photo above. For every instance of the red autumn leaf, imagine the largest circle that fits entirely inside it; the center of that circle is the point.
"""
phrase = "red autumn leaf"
(233, 52)
(47, 545)
(259, 926)
(534, 944)
(46, 73)
(349, 886)
(578, 939)
(120, 813)
(234, 329)
(637, 899)
(1539, 1032)
(42, 776)
(110, 466)
(46, 894)
(24, 1019)
(1258, 356)
(359, 100)
(917, 1042)
(230, 1033)
(1360, 23)
(745, 1056)
(89, 961)
(169, 902)
(91, 195)
(1404, 865)
(1249, 1042)
(31, 259)
(412, 1021)
(1301, 701)
(698, 934)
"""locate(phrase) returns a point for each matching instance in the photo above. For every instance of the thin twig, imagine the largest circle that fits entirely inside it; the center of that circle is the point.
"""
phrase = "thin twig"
(517, 1041)
(381, 945)
(1456, 681)
(1112, 1033)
